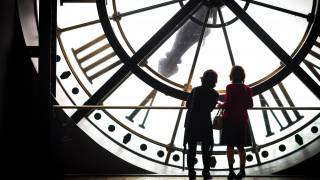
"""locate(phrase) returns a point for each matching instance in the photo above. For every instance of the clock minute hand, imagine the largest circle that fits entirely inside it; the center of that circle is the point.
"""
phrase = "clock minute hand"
(142, 54)
(273, 46)
(187, 35)
(167, 30)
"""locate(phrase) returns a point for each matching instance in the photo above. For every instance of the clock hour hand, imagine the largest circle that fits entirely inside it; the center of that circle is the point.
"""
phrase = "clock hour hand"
(188, 35)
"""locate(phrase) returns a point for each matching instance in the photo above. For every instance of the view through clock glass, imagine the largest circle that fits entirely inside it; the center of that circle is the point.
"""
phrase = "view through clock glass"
(212, 38)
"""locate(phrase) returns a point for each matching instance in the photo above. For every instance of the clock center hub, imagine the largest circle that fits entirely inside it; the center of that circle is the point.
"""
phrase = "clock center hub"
(214, 3)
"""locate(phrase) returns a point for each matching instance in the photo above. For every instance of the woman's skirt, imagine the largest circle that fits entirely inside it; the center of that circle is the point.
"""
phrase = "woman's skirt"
(235, 133)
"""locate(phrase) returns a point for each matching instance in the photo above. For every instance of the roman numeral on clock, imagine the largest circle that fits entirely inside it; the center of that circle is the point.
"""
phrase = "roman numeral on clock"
(148, 99)
(90, 51)
(285, 115)
(314, 66)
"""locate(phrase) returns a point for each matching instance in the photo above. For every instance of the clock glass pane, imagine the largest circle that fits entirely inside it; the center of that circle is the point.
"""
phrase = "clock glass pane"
(212, 38)
(245, 48)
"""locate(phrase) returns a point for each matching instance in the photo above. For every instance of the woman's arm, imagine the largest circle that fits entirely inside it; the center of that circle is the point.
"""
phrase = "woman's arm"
(250, 99)
(214, 101)
(188, 104)
(227, 100)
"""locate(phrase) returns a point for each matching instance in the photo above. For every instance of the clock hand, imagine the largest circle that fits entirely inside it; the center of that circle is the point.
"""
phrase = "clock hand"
(226, 37)
(214, 15)
(273, 46)
(130, 64)
(195, 59)
(188, 35)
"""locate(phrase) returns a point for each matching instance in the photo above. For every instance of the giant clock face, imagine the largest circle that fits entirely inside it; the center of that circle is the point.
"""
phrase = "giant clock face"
(129, 53)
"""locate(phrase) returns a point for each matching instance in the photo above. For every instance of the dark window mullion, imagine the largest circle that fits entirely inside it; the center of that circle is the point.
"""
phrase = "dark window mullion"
(226, 37)
(147, 8)
(278, 9)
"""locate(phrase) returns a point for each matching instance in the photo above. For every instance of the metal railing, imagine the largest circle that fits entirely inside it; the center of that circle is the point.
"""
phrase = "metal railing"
(173, 107)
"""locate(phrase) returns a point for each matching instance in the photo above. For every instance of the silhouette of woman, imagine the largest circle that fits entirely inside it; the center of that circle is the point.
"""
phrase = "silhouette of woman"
(235, 130)
(198, 126)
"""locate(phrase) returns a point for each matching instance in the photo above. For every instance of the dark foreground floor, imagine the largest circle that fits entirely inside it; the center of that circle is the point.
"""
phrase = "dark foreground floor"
(183, 178)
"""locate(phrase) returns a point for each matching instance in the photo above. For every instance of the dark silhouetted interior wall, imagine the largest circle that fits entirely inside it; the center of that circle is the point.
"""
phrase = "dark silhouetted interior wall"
(25, 150)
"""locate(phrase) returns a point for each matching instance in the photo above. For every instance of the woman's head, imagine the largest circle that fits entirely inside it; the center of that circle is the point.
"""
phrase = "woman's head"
(237, 74)
(209, 78)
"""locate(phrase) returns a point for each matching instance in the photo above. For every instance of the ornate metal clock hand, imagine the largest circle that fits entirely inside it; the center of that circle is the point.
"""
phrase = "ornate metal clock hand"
(188, 35)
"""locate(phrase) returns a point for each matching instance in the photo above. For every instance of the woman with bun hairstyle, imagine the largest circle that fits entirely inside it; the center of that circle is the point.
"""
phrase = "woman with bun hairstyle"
(198, 126)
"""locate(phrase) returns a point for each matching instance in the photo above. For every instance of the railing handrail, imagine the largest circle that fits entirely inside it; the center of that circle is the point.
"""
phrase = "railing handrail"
(173, 107)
